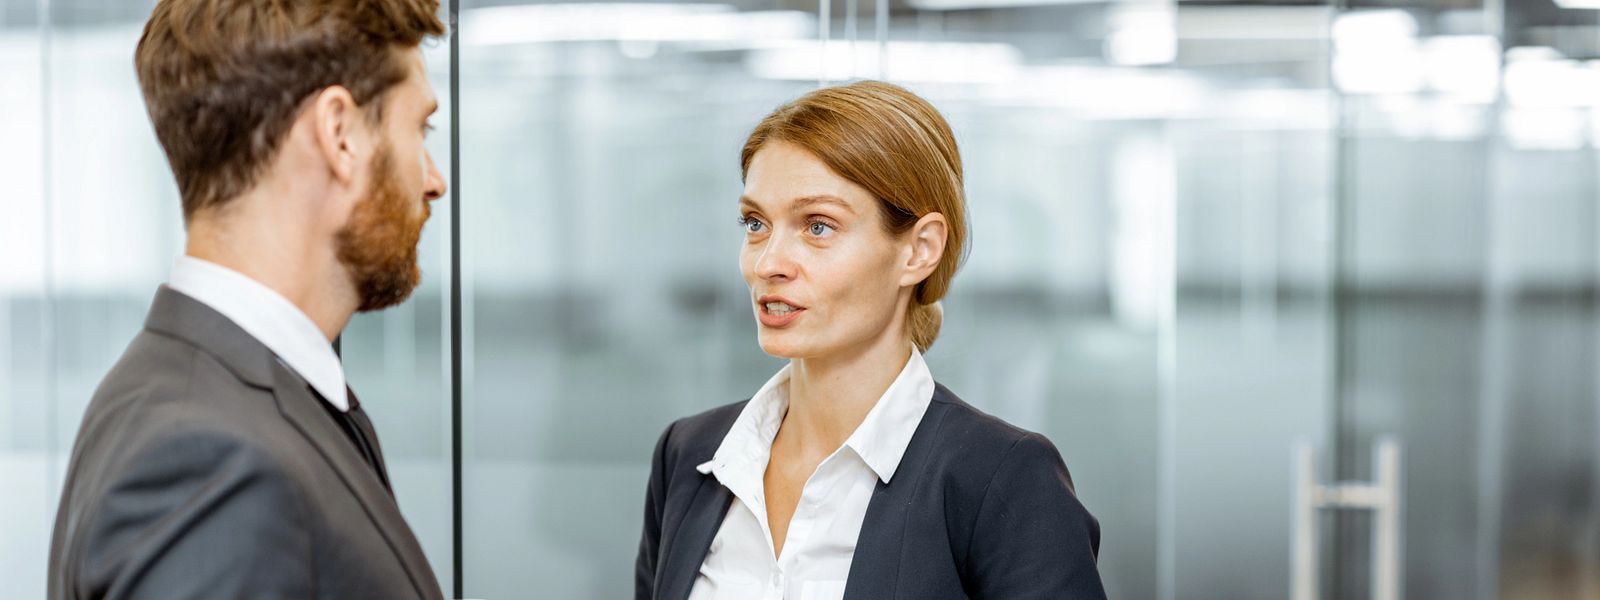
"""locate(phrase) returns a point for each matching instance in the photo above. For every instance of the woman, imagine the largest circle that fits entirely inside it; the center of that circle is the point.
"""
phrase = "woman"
(851, 473)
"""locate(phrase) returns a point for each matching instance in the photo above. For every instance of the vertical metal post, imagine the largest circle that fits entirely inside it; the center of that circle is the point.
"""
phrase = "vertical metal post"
(1498, 289)
(1387, 573)
(824, 31)
(851, 7)
(1303, 530)
(47, 308)
(881, 22)
(453, 295)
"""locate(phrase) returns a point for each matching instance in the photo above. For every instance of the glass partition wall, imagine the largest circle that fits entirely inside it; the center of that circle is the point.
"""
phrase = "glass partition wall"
(90, 228)
(1467, 255)
(1220, 254)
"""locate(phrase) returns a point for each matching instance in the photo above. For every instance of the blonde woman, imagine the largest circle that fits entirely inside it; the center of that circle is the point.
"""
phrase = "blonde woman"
(851, 473)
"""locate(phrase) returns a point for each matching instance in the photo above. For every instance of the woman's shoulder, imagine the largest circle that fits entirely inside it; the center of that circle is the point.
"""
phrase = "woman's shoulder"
(1015, 520)
(978, 443)
(977, 430)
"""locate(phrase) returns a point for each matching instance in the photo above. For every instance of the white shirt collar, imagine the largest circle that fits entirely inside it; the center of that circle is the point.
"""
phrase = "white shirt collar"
(270, 318)
(880, 440)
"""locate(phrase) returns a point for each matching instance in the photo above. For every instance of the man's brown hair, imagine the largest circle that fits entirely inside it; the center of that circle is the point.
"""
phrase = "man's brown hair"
(224, 79)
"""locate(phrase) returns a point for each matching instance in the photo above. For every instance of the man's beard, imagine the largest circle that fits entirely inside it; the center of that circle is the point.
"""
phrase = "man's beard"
(379, 245)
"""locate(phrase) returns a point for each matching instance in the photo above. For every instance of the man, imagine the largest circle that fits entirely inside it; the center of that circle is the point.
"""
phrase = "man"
(223, 456)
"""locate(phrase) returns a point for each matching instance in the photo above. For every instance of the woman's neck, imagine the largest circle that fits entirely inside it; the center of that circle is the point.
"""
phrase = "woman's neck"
(830, 396)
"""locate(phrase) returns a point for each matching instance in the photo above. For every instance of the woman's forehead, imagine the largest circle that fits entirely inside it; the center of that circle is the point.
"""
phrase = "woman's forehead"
(783, 176)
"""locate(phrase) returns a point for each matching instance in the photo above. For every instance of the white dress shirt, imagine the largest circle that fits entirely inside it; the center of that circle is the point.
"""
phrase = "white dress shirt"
(821, 542)
(270, 318)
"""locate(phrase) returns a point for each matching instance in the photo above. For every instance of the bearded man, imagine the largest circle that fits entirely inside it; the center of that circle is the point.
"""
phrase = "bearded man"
(224, 456)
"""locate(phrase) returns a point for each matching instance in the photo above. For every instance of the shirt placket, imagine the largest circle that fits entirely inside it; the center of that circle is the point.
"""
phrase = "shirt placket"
(804, 523)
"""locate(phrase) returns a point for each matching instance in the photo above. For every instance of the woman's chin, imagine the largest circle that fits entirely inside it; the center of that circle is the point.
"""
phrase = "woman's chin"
(781, 345)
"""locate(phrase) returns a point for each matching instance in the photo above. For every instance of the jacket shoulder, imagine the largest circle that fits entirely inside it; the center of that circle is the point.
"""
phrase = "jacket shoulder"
(972, 445)
(969, 430)
(164, 394)
(159, 376)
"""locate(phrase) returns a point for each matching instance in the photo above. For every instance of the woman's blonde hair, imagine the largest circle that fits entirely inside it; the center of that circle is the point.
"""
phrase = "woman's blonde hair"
(895, 145)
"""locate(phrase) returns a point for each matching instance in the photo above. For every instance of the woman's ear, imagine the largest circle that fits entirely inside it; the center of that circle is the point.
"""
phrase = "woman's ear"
(926, 241)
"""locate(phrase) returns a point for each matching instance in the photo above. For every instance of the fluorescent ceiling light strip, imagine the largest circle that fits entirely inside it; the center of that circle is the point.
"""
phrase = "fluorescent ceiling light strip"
(980, 4)
(544, 23)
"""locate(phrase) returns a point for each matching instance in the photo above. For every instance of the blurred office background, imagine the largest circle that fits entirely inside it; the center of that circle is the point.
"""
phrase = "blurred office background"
(1203, 233)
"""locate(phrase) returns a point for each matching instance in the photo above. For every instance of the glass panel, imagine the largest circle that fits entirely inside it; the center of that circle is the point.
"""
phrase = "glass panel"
(1538, 448)
(25, 407)
(601, 295)
(1253, 339)
(1253, 365)
(97, 227)
(1537, 463)
(1469, 330)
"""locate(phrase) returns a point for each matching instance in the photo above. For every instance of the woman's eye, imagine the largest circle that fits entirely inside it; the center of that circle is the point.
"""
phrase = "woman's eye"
(818, 228)
(750, 225)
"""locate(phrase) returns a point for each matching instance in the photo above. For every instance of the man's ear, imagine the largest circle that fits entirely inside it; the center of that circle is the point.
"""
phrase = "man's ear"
(925, 241)
(339, 137)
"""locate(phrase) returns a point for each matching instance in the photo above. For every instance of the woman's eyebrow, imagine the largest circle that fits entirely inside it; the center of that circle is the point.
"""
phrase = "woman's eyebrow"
(804, 202)
(809, 201)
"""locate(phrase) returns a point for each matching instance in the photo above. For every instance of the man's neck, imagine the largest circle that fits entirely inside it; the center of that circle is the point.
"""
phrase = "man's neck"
(314, 282)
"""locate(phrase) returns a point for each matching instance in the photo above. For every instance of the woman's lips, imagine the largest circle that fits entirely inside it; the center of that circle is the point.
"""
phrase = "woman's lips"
(786, 311)
(776, 321)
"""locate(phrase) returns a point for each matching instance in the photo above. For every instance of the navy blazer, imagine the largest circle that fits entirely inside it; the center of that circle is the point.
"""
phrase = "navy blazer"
(977, 509)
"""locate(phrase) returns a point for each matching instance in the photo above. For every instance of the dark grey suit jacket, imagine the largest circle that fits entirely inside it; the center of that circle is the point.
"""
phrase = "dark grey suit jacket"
(977, 509)
(205, 468)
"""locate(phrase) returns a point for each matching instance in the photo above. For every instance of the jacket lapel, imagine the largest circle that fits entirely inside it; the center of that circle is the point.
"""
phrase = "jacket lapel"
(686, 551)
(299, 406)
(875, 569)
